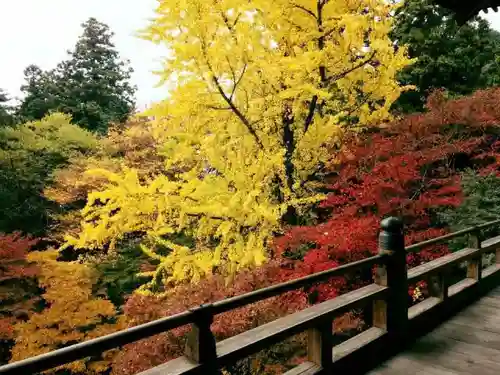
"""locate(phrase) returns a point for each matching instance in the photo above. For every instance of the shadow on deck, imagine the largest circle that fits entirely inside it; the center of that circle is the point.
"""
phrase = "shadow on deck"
(468, 343)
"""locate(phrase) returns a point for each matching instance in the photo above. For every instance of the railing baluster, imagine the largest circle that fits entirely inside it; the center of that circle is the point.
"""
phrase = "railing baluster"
(438, 285)
(320, 344)
(200, 344)
(393, 313)
(474, 266)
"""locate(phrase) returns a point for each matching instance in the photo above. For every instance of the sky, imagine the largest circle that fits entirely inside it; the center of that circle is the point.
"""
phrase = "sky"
(41, 31)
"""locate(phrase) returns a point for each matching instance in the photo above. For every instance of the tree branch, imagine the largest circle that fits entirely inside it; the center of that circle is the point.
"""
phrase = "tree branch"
(322, 69)
(310, 115)
(237, 82)
(237, 112)
(308, 11)
(219, 108)
(229, 102)
(352, 69)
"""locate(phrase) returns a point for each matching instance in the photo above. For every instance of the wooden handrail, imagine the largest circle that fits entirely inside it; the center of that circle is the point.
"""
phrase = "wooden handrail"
(388, 296)
(449, 236)
(275, 290)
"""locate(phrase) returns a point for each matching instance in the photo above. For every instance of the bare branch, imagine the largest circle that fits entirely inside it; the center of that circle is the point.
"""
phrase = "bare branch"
(322, 69)
(310, 115)
(308, 11)
(233, 74)
(237, 112)
(237, 82)
(352, 69)
(236, 20)
(219, 108)
(229, 102)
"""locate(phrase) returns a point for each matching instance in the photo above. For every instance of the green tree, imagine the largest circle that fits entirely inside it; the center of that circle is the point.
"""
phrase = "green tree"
(6, 117)
(460, 59)
(92, 85)
(28, 155)
(40, 94)
(94, 81)
(481, 204)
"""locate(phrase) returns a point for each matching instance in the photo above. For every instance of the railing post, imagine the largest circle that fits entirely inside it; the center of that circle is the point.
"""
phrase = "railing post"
(438, 285)
(474, 266)
(392, 314)
(320, 344)
(200, 344)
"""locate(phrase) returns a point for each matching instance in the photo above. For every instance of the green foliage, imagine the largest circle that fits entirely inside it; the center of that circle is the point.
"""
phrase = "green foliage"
(92, 84)
(118, 272)
(6, 117)
(40, 90)
(459, 59)
(28, 155)
(480, 205)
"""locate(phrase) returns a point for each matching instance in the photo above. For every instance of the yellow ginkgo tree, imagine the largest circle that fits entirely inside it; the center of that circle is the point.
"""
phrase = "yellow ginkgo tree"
(262, 89)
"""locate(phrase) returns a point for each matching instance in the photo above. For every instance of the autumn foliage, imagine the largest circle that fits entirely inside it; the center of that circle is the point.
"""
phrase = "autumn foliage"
(16, 281)
(243, 129)
(265, 164)
(409, 168)
(72, 313)
(160, 348)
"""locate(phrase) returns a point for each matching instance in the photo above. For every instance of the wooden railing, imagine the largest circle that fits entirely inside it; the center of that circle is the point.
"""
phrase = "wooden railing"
(386, 297)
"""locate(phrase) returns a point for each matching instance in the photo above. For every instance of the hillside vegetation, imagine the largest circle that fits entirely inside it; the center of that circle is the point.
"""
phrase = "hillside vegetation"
(294, 127)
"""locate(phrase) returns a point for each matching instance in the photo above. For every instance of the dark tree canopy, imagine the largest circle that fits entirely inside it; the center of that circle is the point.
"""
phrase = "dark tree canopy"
(460, 59)
(42, 94)
(465, 10)
(6, 117)
(92, 84)
(96, 83)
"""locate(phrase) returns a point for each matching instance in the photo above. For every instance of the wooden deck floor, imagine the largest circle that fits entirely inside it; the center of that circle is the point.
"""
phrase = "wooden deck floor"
(469, 343)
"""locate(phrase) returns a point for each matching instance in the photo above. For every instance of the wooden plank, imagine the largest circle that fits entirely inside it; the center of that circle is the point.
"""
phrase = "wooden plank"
(235, 302)
(469, 335)
(439, 264)
(422, 307)
(460, 286)
(356, 342)
(481, 311)
(494, 292)
(305, 368)
(380, 314)
(438, 343)
(488, 271)
(401, 365)
(454, 355)
(438, 285)
(178, 366)
(489, 301)
(481, 324)
(267, 334)
(490, 244)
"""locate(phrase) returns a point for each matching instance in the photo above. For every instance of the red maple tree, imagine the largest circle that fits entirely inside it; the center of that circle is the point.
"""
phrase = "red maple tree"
(16, 283)
(408, 168)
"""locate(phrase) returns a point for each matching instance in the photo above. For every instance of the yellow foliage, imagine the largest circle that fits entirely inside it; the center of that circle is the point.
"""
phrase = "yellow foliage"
(132, 144)
(263, 89)
(54, 133)
(73, 315)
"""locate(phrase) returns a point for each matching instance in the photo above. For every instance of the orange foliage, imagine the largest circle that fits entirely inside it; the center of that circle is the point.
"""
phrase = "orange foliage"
(132, 145)
(16, 280)
(153, 351)
(73, 313)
